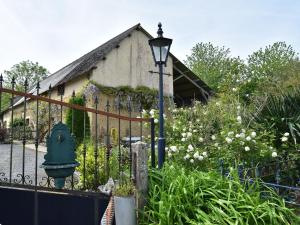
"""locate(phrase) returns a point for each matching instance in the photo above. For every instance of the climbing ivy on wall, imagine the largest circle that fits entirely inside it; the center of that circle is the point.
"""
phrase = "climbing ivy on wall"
(145, 95)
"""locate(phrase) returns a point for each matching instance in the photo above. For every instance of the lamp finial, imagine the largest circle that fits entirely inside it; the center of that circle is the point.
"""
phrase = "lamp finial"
(160, 31)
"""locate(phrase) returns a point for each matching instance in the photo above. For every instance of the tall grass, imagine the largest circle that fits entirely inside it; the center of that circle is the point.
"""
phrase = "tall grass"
(179, 196)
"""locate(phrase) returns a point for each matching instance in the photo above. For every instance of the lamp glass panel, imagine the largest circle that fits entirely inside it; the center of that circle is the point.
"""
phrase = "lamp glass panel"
(156, 51)
(160, 53)
(164, 52)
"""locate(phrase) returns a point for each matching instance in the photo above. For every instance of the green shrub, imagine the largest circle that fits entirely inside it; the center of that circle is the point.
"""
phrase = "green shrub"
(17, 122)
(102, 168)
(201, 135)
(78, 129)
(179, 196)
(124, 190)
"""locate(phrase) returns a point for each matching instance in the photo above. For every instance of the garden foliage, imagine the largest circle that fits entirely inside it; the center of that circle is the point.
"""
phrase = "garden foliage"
(253, 119)
(181, 196)
(78, 129)
(102, 164)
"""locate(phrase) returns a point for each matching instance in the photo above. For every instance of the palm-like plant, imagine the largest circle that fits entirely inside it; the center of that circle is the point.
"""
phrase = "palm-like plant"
(280, 113)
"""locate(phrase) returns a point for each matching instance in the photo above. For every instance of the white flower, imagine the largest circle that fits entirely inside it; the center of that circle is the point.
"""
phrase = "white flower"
(242, 135)
(283, 139)
(247, 149)
(204, 154)
(194, 131)
(200, 158)
(155, 120)
(248, 138)
(201, 126)
(213, 137)
(286, 134)
(183, 139)
(239, 119)
(238, 107)
(189, 134)
(187, 156)
(198, 120)
(237, 135)
(190, 147)
(174, 110)
(242, 143)
(230, 133)
(152, 112)
(243, 130)
(169, 154)
(234, 89)
(196, 155)
(192, 161)
(253, 134)
(271, 148)
(219, 148)
(228, 140)
(183, 134)
(274, 154)
(173, 148)
(217, 103)
(144, 112)
(200, 139)
(216, 144)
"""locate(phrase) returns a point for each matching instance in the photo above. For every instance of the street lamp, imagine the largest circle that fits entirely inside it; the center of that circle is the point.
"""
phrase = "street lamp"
(160, 48)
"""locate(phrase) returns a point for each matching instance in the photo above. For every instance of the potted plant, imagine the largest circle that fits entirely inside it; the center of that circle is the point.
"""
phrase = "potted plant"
(124, 200)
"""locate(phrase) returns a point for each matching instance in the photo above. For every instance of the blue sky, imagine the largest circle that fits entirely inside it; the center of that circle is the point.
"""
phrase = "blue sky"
(56, 32)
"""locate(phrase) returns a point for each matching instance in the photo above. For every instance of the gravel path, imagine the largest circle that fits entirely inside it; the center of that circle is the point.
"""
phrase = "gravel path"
(17, 160)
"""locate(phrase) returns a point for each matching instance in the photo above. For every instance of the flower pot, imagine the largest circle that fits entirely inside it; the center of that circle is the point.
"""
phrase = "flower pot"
(125, 210)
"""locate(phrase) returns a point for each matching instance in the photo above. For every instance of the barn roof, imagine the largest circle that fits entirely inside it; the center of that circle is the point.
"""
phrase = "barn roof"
(88, 61)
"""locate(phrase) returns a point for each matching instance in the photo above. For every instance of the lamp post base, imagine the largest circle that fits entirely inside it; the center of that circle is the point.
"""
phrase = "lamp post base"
(161, 151)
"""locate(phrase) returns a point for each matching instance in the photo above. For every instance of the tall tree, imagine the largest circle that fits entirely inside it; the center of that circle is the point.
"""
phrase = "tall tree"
(213, 64)
(272, 69)
(25, 69)
(270, 61)
(20, 71)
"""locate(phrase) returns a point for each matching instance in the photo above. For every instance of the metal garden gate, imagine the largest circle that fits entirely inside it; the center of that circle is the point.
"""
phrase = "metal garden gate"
(27, 195)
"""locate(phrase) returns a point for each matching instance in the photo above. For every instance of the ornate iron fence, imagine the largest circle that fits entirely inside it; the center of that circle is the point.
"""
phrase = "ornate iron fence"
(20, 101)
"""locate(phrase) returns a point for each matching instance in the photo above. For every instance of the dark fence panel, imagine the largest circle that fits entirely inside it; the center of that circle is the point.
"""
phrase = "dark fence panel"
(53, 208)
(282, 176)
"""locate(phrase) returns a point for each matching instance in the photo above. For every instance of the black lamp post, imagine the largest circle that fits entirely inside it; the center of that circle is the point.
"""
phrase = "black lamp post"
(160, 47)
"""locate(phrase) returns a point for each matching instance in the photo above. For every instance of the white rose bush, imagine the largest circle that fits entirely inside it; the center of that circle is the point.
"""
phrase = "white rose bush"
(202, 135)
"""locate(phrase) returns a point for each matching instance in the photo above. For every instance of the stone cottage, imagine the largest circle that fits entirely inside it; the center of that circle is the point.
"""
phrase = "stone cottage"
(124, 63)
